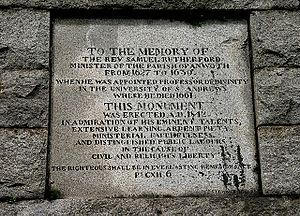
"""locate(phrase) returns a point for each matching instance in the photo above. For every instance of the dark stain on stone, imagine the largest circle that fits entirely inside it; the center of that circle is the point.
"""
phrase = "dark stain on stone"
(226, 156)
(240, 181)
(236, 181)
(225, 179)
(223, 153)
(240, 157)
(233, 179)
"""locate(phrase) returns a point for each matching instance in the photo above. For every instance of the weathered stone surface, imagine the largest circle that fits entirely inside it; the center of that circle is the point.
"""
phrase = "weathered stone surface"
(164, 206)
(279, 158)
(165, 109)
(154, 4)
(22, 162)
(24, 39)
(24, 97)
(277, 95)
(275, 38)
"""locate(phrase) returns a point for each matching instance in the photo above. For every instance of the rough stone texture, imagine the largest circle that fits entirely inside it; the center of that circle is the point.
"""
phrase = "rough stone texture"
(22, 162)
(155, 4)
(24, 97)
(164, 206)
(24, 39)
(277, 94)
(275, 38)
(280, 158)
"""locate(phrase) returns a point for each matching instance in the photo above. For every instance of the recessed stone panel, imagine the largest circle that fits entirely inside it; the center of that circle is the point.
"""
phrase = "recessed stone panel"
(151, 108)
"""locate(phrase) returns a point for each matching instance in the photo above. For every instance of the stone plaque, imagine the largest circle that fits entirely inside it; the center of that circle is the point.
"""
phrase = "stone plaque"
(151, 108)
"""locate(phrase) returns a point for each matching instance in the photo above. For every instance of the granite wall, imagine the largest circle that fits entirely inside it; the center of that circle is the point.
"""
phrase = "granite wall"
(274, 29)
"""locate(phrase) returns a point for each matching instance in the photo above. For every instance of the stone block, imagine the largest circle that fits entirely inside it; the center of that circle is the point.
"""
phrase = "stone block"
(279, 158)
(277, 95)
(129, 141)
(153, 4)
(22, 162)
(24, 39)
(24, 97)
(275, 38)
(164, 206)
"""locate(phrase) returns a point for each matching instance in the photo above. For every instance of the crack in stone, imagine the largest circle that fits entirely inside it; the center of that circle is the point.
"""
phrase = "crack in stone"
(16, 185)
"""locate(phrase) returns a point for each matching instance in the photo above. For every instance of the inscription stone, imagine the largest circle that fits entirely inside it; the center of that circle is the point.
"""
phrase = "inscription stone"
(151, 107)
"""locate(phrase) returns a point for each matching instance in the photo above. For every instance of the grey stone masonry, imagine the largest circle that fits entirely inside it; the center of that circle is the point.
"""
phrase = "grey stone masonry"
(164, 206)
(22, 163)
(24, 39)
(153, 4)
(280, 158)
(24, 97)
(275, 38)
(24, 48)
(277, 95)
(276, 60)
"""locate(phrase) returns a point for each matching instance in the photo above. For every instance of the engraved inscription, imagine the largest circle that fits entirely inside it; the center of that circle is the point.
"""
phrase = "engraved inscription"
(151, 108)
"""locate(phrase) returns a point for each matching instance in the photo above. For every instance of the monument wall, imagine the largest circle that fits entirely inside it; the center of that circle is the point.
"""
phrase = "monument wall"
(250, 125)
